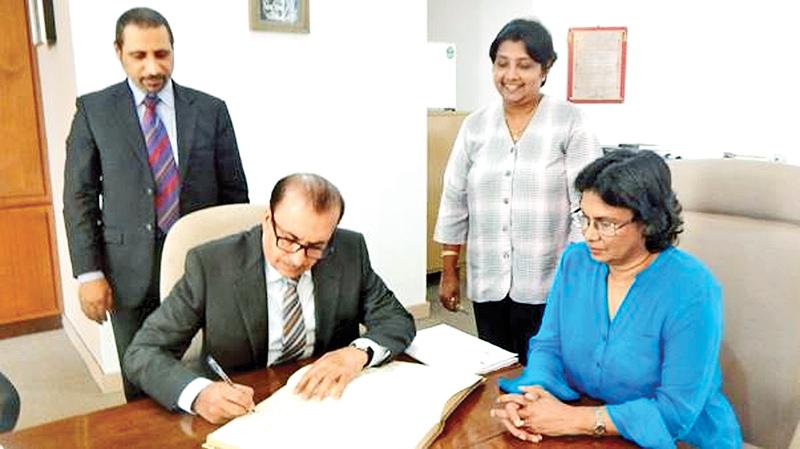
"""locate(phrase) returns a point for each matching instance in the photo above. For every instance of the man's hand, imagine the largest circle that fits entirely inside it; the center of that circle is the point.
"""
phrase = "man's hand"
(220, 402)
(329, 375)
(96, 299)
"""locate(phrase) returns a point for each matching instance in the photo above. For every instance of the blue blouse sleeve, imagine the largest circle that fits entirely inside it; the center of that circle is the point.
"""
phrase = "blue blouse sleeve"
(691, 340)
(545, 365)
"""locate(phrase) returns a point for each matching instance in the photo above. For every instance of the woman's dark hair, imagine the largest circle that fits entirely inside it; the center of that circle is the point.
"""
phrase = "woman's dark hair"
(534, 35)
(641, 182)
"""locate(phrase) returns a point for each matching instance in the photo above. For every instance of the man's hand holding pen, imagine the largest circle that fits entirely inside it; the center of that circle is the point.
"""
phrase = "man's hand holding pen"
(225, 400)
(220, 402)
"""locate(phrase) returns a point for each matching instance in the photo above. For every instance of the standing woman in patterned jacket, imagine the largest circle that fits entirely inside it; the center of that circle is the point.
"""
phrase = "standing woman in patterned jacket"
(508, 191)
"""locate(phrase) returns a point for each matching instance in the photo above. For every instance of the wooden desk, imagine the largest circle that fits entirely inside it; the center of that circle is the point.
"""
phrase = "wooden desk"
(145, 424)
(470, 426)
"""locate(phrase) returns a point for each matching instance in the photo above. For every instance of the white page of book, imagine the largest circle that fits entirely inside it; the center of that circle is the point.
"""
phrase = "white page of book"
(393, 406)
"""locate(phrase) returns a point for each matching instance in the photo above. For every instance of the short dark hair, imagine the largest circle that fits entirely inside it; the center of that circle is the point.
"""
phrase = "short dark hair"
(324, 196)
(639, 181)
(537, 40)
(143, 17)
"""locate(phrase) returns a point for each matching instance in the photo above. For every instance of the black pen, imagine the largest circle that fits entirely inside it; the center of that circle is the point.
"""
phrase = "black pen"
(221, 373)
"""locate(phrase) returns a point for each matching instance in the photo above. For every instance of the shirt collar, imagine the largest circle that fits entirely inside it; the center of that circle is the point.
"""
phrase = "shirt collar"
(166, 94)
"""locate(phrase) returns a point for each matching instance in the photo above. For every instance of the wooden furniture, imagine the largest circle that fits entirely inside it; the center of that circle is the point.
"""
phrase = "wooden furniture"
(29, 291)
(442, 130)
(145, 424)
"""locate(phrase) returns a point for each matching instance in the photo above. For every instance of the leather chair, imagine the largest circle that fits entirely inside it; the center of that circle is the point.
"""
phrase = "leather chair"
(197, 228)
(742, 218)
(9, 405)
(795, 444)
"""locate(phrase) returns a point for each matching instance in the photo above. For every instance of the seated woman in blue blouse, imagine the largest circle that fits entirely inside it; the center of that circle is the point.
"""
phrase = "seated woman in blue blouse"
(630, 320)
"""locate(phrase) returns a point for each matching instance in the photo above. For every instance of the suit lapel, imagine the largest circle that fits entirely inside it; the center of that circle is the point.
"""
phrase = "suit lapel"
(127, 122)
(186, 118)
(250, 294)
(326, 276)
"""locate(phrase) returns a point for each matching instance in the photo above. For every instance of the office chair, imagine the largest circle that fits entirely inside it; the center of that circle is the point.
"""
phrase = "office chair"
(795, 444)
(195, 229)
(742, 219)
(9, 405)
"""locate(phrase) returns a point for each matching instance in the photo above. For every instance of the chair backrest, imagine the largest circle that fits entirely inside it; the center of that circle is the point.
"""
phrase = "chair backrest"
(200, 227)
(742, 218)
(795, 444)
(193, 230)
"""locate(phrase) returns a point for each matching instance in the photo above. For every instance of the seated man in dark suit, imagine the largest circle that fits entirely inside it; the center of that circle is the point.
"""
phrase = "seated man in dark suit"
(293, 287)
(9, 404)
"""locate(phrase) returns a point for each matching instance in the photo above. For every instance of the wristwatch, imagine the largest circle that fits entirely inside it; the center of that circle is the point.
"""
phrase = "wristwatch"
(367, 349)
(599, 426)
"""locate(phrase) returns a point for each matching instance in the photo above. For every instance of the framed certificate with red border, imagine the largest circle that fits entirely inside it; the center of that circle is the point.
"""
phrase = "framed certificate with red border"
(596, 72)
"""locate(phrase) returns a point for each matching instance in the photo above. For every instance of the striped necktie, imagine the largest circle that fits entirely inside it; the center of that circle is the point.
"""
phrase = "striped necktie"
(294, 327)
(162, 165)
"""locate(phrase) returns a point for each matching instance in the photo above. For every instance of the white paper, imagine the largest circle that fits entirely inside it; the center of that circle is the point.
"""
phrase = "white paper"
(445, 346)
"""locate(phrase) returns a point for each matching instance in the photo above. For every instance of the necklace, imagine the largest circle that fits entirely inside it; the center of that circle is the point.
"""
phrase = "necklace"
(623, 274)
(516, 135)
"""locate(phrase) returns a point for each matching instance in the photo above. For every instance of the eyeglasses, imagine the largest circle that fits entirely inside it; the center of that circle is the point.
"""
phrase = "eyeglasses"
(315, 251)
(603, 227)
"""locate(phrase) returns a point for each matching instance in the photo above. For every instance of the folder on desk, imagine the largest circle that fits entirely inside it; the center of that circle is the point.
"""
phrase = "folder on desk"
(445, 346)
(400, 405)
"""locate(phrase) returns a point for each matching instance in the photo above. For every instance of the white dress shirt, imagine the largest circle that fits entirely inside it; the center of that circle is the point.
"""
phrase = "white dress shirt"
(276, 291)
(164, 108)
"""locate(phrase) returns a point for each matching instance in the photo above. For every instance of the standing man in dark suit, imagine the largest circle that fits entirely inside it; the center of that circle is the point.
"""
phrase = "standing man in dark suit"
(140, 154)
(293, 287)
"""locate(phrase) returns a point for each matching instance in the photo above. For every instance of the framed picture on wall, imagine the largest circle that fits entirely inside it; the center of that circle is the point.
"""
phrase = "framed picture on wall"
(287, 16)
(596, 66)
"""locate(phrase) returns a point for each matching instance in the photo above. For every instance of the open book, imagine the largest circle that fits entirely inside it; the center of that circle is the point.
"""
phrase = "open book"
(400, 405)
(446, 346)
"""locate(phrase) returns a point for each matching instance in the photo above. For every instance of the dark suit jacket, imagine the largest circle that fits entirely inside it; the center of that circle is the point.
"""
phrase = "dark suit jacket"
(223, 291)
(107, 156)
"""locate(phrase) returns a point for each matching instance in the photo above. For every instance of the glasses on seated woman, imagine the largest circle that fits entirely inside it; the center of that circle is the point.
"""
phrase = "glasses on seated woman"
(605, 227)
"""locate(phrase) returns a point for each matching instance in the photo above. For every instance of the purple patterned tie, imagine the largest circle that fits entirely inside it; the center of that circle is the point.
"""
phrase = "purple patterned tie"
(162, 164)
